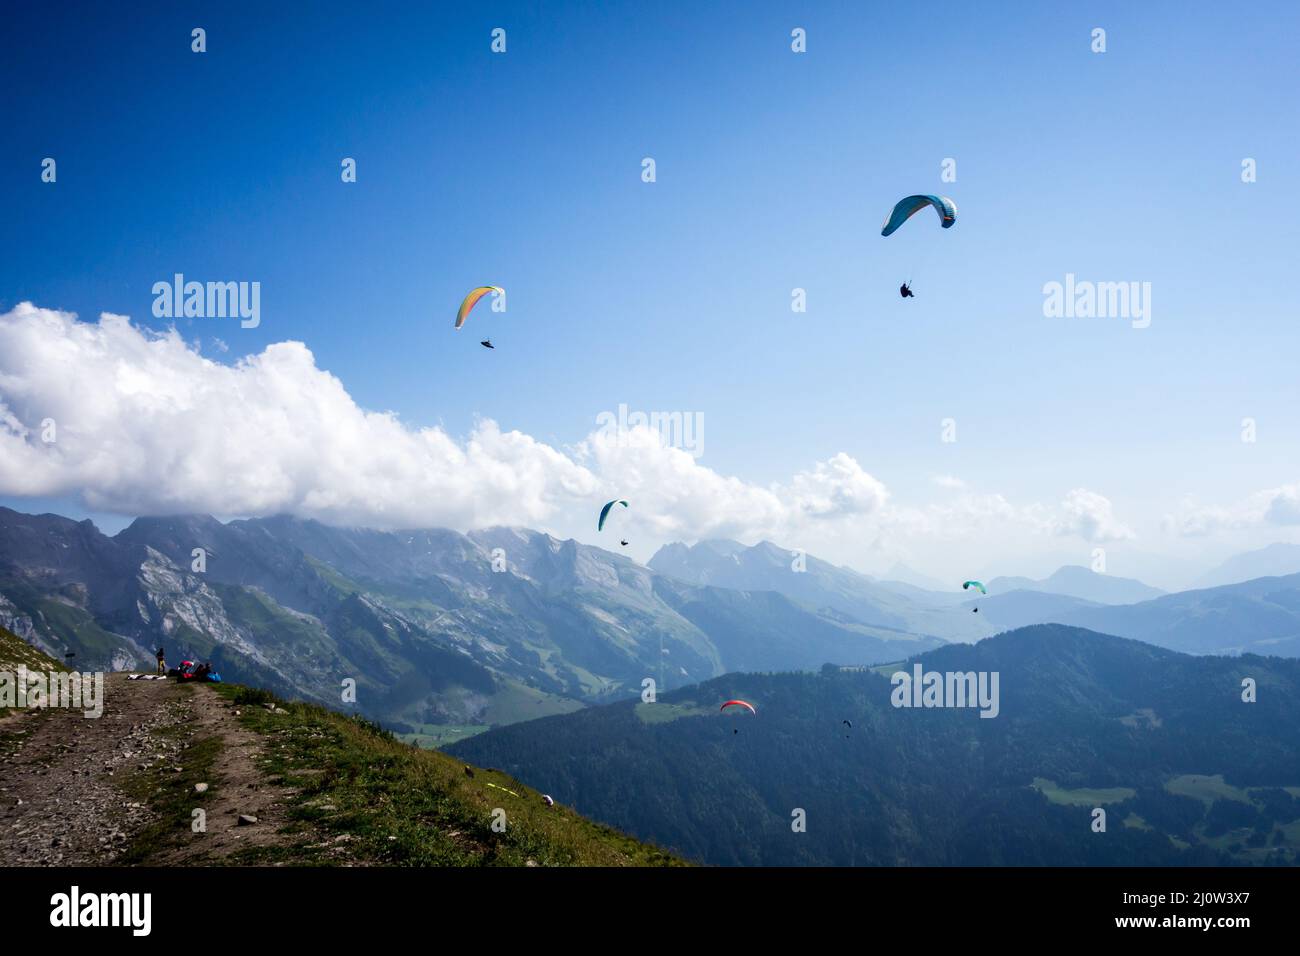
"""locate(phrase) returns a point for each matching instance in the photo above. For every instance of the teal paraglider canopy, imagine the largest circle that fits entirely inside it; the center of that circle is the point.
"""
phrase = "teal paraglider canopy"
(604, 513)
(906, 208)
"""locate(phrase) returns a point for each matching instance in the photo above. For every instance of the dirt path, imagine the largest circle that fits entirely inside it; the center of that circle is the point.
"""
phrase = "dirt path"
(237, 788)
(78, 791)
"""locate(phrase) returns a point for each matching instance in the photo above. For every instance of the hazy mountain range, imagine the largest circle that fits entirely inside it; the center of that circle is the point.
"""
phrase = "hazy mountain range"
(1276, 560)
(1080, 582)
(1260, 616)
(440, 628)
(430, 632)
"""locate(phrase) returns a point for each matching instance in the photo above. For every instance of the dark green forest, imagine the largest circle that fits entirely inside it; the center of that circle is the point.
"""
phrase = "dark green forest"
(1186, 771)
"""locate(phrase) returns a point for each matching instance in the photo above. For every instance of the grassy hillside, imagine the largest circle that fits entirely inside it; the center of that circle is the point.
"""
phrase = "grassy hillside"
(361, 797)
(15, 652)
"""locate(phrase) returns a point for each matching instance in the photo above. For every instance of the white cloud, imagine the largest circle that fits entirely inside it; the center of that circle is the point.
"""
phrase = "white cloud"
(1091, 517)
(1272, 506)
(1283, 505)
(148, 425)
(676, 497)
(837, 488)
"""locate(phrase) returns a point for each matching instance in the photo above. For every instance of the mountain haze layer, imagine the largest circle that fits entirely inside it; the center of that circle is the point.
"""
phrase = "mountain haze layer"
(1083, 583)
(820, 584)
(1276, 560)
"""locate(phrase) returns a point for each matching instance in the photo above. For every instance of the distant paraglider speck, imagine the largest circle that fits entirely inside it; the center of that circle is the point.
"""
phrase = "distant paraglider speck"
(487, 344)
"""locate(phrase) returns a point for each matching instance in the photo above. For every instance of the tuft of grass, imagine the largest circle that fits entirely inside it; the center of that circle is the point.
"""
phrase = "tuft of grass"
(251, 696)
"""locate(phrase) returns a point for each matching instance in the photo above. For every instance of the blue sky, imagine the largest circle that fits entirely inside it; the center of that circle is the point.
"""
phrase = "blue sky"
(774, 171)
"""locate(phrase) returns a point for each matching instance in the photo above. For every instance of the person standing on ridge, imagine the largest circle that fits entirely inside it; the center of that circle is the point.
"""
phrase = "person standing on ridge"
(162, 662)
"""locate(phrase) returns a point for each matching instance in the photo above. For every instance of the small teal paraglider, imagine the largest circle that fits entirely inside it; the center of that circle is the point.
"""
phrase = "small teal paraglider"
(904, 209)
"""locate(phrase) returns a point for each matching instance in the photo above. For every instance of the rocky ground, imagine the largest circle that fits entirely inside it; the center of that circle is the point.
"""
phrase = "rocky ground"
(78, 791)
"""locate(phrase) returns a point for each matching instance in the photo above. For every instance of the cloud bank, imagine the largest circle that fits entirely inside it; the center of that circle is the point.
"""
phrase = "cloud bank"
(1277, 507)
(134, 422)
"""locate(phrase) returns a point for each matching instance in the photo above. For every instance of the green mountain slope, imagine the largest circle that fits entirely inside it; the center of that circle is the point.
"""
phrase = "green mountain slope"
(1261, 616)
(15, 653)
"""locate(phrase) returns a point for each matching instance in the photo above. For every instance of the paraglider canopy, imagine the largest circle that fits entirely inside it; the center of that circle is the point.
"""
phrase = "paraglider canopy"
(904, 209)
(472, 299)
(604, 513)
(739, 703)
(966, 586)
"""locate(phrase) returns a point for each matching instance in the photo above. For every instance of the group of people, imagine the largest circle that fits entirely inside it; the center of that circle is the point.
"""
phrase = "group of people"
(201, 672)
